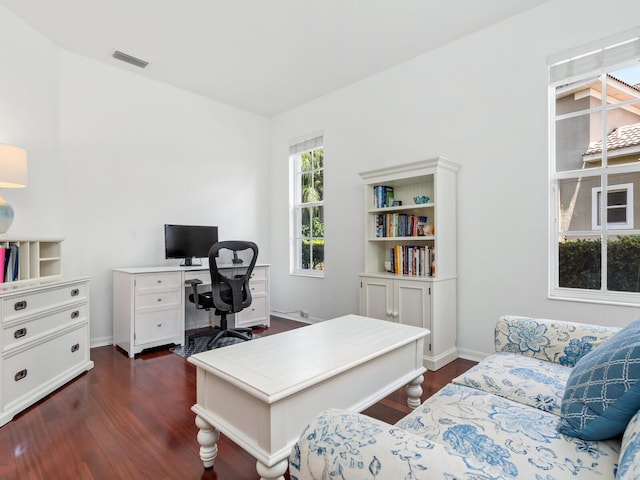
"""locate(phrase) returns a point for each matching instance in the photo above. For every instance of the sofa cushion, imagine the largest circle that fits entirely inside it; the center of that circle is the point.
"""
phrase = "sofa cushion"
(526, 380)
(629, 465)
(603, 390)
(552, 340)
(499, 438)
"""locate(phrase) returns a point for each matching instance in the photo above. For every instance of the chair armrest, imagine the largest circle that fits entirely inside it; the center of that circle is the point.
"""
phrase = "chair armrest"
(551, 340)
(194, 286)
(340, 444)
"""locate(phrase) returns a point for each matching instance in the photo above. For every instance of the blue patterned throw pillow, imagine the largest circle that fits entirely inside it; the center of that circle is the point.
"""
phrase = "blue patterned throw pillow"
(603, 389)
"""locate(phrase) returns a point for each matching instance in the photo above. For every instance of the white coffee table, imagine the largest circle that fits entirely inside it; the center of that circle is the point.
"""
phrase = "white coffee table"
(261, 394)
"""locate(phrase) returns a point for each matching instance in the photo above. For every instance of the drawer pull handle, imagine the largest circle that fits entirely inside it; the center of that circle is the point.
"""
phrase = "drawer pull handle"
(20, 375)
(159, 325)
(159, 281)
(21, 332)
(75, 347)
(159, 299)
(75, 314)
(21, 305)
(75, 292)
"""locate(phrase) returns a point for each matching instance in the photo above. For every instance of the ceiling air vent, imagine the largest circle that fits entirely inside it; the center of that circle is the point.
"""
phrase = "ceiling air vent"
(129, 59)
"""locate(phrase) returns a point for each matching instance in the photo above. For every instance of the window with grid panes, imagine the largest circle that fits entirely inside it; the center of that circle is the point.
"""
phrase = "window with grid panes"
(595, 148)
(307, 207)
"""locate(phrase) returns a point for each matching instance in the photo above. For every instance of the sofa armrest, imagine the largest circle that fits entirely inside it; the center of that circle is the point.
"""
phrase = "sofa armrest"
(551, 340)
(340, 444)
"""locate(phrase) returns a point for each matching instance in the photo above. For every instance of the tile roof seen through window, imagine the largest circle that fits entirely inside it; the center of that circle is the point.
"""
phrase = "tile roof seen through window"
(621, 137)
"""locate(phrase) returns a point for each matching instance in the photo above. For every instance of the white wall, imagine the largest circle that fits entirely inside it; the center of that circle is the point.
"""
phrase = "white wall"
(481, 102)
(114, 156)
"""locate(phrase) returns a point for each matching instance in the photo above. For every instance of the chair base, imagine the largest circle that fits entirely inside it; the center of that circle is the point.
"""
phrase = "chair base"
(216, 334)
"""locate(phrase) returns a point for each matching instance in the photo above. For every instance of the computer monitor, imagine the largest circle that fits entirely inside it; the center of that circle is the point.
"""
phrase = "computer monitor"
(189, 241)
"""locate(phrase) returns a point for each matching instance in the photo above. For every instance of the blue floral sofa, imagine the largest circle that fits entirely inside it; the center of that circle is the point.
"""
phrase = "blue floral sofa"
(530, 410)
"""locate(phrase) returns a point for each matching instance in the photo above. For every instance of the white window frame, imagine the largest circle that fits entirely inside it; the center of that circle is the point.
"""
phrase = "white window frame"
(296, 148)
(596, 58)
(597, 208)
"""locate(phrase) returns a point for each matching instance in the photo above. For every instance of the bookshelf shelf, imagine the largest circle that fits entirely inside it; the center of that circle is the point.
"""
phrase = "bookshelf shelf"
(37, 258)
(410, 251)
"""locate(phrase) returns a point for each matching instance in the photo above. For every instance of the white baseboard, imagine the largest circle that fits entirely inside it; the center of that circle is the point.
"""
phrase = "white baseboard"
(472, 355)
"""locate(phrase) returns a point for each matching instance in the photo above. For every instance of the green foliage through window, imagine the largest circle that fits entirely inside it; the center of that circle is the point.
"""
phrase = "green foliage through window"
(580, 264)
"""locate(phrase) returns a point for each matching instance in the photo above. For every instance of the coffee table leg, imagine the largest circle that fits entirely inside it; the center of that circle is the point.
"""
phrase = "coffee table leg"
(414, 392)
(208, 439)
(275, 472)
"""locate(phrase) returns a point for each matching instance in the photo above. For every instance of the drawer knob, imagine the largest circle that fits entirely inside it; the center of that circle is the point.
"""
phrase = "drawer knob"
(160, 299)
(159, 281)
(21, 332)
(159, 325)
(20, 375)
(21, 305)
(75, 314)
(75, 292)
(75, 347)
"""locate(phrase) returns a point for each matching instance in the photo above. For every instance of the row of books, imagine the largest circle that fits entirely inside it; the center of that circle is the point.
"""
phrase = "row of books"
(400, 225)
(415, 260)
(9, 260)
(382, 196)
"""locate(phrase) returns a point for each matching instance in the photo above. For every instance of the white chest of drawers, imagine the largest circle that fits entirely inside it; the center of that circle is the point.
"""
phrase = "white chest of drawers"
(44, 342)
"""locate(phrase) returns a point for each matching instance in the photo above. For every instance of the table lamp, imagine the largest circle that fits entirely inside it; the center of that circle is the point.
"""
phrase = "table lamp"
(13, 174)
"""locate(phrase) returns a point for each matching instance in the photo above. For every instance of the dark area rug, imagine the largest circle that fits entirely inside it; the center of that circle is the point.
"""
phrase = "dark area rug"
(200, 345)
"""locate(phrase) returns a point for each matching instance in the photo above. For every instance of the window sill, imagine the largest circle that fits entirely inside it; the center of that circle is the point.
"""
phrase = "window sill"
(308, 273)
(624, 299)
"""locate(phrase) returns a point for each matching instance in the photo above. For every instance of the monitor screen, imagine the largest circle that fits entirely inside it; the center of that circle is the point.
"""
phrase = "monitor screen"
(189, 241)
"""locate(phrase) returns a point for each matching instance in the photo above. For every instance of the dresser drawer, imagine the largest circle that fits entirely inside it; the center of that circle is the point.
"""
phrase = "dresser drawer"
(17, 306)
(155, 281)
(20, 333)
(145, 301)
(157, 325)
(42, 365)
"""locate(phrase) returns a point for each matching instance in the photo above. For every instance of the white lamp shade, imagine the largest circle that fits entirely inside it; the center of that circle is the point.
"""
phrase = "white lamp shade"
(13, 167)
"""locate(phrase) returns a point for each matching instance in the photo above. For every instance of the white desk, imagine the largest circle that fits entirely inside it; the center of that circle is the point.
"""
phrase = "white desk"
(262, 393)
(149, 304)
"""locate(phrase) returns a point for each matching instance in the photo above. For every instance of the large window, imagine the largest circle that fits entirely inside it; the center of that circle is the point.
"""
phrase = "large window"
(595, 148)
(307, 206)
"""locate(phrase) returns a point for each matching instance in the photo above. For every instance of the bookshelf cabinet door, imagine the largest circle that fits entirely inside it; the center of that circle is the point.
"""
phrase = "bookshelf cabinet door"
(376, 298)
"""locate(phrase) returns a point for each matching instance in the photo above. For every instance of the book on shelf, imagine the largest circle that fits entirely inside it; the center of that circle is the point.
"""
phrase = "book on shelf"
(413, 260)
(399, 225)
(10, 263)
(382, 196)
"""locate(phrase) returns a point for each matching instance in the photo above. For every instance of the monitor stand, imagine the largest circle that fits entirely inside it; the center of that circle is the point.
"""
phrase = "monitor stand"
(189, 262)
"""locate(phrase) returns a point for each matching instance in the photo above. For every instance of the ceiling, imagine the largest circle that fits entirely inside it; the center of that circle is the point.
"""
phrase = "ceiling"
(264, 56)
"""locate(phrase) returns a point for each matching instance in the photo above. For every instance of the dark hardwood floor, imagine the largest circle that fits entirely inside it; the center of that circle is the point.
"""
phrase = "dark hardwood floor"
(131, 419)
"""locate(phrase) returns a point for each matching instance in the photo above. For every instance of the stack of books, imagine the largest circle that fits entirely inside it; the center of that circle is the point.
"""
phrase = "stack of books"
(414, 260)
(9, 261)
(382, 196)
(399, 225)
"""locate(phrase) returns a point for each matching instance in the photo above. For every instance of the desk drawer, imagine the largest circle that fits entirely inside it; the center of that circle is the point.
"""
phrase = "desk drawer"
(23, 332)
(259, 273)
(157, 325)
(254, 314)
(23, 305)
(258, 288)
(38, 366)
(153, 281)
(159, 299)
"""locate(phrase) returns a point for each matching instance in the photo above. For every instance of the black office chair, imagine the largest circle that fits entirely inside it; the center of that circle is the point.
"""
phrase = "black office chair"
(230, 292)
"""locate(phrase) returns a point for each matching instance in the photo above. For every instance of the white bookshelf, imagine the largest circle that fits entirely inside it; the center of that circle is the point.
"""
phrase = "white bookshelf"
(426, 300)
